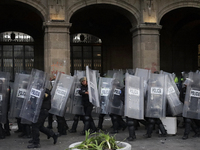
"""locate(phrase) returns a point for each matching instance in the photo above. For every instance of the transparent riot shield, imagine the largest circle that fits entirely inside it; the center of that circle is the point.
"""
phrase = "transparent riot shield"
(105, 86)
(92, 86)
(110, 73)
(145, 74)
(4, 85)
(34, 95)
(118, 75)
(187, 81)
(156, 97)
(191, 107)
(170, 80)
(116, 105)
(60, 93)
(19, 92)
(134, 97)
(79, 73)
(173, 100)
(76, 98)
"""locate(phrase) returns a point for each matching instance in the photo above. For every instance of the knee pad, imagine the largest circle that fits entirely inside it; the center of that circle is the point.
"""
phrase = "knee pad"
(130, 122)
(187, 120)
(151, 121)
(87, 118)
(115, 118)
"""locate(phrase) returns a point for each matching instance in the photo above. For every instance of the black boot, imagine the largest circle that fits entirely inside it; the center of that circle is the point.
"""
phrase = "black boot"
(75, 124)
(86, 124)
(162, 130)
(115, 124)
(122, 123)
(185, 136)
(132, 136)
(131, 129)
(61, 125)
(187, 128)
(100, 123)
(92, 126)
(151, 124)
(2, 132)
(33, 146)
(55, 137)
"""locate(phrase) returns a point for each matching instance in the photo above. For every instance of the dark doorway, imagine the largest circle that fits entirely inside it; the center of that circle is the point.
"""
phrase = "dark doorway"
(20, 17)
(179, 40)
(112, 27)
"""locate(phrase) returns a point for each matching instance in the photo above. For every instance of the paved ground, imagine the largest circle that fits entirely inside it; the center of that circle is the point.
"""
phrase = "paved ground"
(173, 142)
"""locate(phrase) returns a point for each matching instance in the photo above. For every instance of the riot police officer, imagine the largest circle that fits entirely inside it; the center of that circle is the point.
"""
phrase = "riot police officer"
(152, 121)
(88, 106)
(39, 125)
(117, 120)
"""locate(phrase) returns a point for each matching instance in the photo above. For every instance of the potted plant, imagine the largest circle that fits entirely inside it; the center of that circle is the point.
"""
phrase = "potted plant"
(99, 141)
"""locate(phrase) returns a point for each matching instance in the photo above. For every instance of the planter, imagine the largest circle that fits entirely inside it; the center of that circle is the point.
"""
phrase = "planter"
(126, 146)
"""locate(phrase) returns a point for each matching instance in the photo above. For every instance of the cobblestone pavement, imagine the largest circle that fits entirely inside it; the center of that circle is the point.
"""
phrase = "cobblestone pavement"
(171, 142)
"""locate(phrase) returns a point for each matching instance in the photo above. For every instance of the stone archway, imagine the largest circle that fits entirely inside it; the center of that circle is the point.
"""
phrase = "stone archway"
(109, 24)
(127, 9)
(21, 17)
(175, 5)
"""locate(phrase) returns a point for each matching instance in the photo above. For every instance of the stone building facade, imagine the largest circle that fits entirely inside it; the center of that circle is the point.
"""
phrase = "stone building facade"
(151, 34)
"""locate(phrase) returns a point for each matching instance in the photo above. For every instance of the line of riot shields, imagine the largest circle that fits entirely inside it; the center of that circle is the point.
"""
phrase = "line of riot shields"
(146, 94)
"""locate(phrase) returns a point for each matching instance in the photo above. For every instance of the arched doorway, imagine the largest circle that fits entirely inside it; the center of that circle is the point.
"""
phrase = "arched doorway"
(179, 40)
(112, 27)
(22, 18)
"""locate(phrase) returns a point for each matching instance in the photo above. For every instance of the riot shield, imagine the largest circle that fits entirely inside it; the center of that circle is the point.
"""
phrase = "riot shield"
(187, 81)
(76, 98)
(134, 97)
(191, 107)
(109, 73)
(156, 97)
(105, 86)
(60, 94)
(79, 73)
(115, 105)
(175, 104)
(118, 75)
(92, 86)
(4, 85)
(144, 73)
(34, 95)
(170, 81)
(19, 92)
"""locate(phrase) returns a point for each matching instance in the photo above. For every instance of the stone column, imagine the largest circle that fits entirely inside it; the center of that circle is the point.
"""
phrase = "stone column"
(57, 47)
(146, 46)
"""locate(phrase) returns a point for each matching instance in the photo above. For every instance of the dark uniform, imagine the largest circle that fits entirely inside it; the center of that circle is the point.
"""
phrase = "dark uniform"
(39, 125)
(6, 130)
(75, 123)
(88, 107)
(189, 123)
(62, 124)
(151, 122)
(117, 120)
